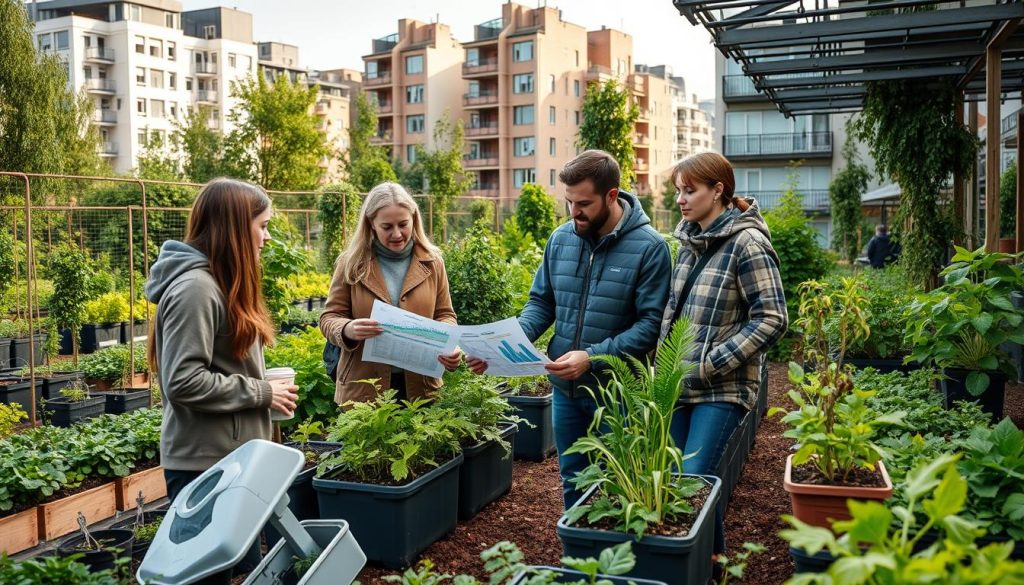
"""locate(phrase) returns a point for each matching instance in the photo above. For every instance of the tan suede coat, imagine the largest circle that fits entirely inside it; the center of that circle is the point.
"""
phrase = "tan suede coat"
(424, 292)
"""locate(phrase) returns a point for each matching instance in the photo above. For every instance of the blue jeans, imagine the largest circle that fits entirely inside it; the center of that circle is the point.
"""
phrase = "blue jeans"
(571, 419)
(705, 429)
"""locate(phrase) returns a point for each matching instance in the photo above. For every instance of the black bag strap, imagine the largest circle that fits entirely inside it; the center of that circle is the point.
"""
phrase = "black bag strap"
(691, 278)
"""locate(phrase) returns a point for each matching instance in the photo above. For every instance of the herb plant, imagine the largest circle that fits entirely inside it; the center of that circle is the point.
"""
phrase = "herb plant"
(993, 465)
(110, 363)
(75, 392)
(476, 400)
(52, 569)
(637, 474)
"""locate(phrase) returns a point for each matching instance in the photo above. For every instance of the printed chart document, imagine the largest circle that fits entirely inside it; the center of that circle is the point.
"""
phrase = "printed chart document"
(505, 348)
(409, 341)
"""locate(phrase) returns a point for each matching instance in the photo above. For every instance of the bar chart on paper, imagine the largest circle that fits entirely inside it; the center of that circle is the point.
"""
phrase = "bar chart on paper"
(504, 347)
(521, 356)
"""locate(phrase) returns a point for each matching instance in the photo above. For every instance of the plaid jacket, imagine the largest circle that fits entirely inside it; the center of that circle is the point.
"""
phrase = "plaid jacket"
(736, 307)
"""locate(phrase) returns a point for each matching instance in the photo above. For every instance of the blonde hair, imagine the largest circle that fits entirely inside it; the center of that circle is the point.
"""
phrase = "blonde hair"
(354, 261)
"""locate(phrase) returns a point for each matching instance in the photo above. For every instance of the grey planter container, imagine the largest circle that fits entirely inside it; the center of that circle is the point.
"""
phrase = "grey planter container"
(52, 385)
(122, 400)
(675, 560)
(485, 474)
(538, 442)
(65, 413)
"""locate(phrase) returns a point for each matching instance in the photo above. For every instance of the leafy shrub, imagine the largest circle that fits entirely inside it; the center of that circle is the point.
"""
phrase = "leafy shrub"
(476, 399)
(11, 416)
(478, 276)
(338, 213)
(280, 261)
(70, 270)
(13, 328)
(111, 363)
(303, 352)
(306, 285)
(75, 392)
(1008, 202)
(535, 212)
(888, 293)
(993, 465)
(482, 210)
(112, 307)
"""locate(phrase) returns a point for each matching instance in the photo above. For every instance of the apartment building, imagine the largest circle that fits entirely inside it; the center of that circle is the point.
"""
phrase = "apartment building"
(414, 76)
(333, 105)
(146, 63)
(694, 129)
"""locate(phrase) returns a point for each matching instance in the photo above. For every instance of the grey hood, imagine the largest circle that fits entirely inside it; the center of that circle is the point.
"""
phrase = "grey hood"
(176, 258)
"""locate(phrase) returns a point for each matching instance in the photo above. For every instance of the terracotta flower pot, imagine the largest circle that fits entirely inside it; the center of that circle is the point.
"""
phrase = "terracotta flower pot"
(819, 505)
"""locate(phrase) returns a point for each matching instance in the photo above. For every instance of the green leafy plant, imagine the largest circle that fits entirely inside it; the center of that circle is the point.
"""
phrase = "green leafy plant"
(993, 465)
(609, 123)
(637, 474)
(52, 569)
(884, 297)
(110, 363)
(535, 213)
(11, 416)
(338, 213)
(146, 532)
(873, 550)
(112, 307)
(70, 270)
(962, 323)
(475, 399)
(733, 566)
(7, 266)
(1008, 201)
(477, 272)
(302, 352)
(75, 392)
(29, 473)
(844, 193)
(384, 440)
(280, 261)
(306, 285)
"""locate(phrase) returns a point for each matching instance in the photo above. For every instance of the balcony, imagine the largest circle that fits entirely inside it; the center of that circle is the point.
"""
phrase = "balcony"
(483, 190)
(99, 55)
(385, 108)
(483, 129)
(206, 96)
(482, 98)
(381, 79)
(104, 86)
(385, 44)
(104, 117)
(598, 73)
(206, 68)
(488, 30)
(739, 88)
(474, 163)
(641, 166)
(382, 138)
(481, 67)
(108, 149)
(778, 146)
(813, 200)
(641, 140)
(635, 84)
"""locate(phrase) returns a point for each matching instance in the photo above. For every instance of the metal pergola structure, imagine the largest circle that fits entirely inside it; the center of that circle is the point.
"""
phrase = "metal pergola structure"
(818, 56)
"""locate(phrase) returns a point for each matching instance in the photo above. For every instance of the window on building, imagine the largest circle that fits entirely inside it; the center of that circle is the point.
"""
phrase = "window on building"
(522, 176)
(156, 78)
(414, 64)
(62, 40)
(551, 177)
(188, 84)
(577, 113)
(140, 45)
(248, 63)
(210, 31)
(140, 76)
(134, 13)
(172, 80)
(171, 55)
(143, 138)
(474, 89)
(522, 115)
(140, 107)
(414, 94)
(172, 109)
(414, 124)
(577, 58)
(169, 19)
(410, 153)
(576, 87)
(371, 70)
(522, 83)
(156, 49)
(522, 51)
(523, 146)
(552, 146)
(552, 115)
(156, 108)
(45, 42)
(472, 57)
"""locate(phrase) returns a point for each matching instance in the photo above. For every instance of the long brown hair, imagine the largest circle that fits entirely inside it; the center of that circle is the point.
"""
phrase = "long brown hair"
(220, 226)
(710, 168)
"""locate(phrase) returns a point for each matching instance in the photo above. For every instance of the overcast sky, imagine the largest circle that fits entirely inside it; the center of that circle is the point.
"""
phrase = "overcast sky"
(332, 34)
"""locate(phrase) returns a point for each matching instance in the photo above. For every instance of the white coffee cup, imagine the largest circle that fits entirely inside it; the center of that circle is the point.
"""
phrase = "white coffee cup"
(280, 374)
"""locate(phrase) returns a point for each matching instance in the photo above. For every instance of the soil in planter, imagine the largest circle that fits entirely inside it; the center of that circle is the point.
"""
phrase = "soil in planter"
(102, 542)
(87, 484)
(318, 450)
(859, 477)
(679, 527)
(542, 388)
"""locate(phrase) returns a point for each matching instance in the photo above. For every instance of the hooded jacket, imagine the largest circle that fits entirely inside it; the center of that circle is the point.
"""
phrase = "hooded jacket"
(736, 307)
(213, 402)
(605, 297)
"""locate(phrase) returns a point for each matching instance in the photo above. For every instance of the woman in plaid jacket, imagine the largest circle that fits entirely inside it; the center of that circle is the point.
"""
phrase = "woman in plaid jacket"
(735, 305)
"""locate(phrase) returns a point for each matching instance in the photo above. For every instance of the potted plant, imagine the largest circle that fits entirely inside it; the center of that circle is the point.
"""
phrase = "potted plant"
(398, 461)
(100, 549)
(836, 457)
(531, 396)
(19, 389)
(298, 318)
(51, 569)
(18, 336)
(126, 396)
(486, 470)
(887, 295)
(143, 525)
(960, 326)
(70, 269)
(634, 488)
(54, 377)
(75, 404)
(873, 548)
(108, 367)
(9, 329)
(104, 318)
(135, 328)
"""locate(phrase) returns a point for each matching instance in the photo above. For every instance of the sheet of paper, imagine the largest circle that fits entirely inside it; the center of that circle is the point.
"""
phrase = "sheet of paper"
(409, 341)
(505, 348)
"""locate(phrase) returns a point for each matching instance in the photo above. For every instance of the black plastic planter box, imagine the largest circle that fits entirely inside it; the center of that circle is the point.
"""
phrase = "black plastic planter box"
(5, 353)
(954, 387)
(393, 524)
(65, 413)
(19, 351)
(563, 575)
(929, 538)
(122, 400)
(486, 473)
(139, 547)
(52, 385)
(805, 563)
(20, 390)
(730, 466)
(675, 560)
(106, 557)
(139, 331)
(302, 500)
(534, 443)
(91, 338)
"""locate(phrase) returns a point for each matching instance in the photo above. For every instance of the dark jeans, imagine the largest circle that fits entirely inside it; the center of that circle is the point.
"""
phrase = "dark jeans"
(571, 418)
(176, 481)
(398, 385)
(705, 429)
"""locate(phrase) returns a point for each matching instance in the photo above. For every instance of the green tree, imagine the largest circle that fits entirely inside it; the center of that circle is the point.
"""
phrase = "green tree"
(478, 273)
(535, 213)
(338, 212)
(70, 269)
(201, 147)
(609, 118)
(482, 210)
(44, 126)
(669, 193)
(367, 163)
(276, 141)
(1008, 202)
(844, 194)
(916, 141)
(442, 168)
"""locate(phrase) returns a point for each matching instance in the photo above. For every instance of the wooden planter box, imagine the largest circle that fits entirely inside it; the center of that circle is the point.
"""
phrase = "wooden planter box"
(61, 517)
(19, 531)
(150, 482)
(139, 380)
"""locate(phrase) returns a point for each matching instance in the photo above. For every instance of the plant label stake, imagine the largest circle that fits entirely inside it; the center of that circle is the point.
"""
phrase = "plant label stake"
(90, 542)
(140, 516)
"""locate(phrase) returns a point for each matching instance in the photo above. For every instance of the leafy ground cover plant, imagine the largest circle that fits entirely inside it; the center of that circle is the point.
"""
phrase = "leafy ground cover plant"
(476, 399)
(872, 549)
(387, 441)
(886, 295)
(637, 474)
(52, 569)
(993, 465)
(110, 363)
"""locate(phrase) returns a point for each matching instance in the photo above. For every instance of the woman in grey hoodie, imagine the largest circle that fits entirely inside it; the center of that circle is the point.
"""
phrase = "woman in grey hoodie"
(210, 329)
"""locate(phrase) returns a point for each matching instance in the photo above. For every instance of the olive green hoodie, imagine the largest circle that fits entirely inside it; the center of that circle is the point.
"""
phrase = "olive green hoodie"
(213, 402)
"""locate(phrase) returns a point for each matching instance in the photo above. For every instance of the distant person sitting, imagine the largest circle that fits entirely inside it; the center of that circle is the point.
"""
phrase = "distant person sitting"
(881, 249)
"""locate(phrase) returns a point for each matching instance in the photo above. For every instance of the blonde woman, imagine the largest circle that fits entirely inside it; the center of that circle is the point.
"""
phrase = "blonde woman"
(389, 258)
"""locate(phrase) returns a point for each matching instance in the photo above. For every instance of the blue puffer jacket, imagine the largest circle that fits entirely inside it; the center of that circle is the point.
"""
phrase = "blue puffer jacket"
(605, 298)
